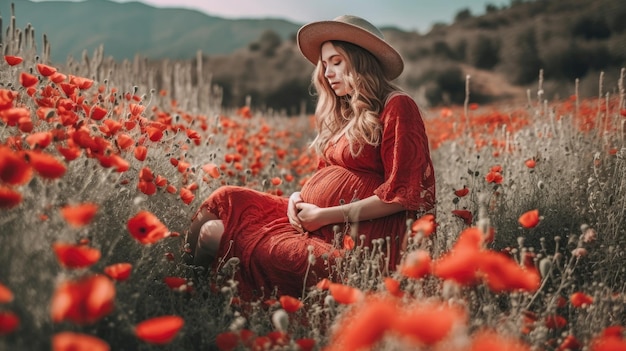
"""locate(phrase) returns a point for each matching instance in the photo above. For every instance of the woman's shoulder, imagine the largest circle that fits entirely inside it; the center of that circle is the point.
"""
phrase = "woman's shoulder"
(399, 100)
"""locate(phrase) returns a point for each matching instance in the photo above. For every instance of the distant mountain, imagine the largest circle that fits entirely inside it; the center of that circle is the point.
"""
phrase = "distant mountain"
(127, 29)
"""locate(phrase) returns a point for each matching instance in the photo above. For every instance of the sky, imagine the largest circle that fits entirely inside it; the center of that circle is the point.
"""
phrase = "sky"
(410, 15)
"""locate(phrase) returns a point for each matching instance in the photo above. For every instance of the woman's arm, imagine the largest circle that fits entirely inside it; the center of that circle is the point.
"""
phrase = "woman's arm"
(313, 217)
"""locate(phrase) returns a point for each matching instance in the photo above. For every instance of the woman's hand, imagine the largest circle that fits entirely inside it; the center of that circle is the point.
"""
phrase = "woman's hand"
(292, 211)
(310, 216)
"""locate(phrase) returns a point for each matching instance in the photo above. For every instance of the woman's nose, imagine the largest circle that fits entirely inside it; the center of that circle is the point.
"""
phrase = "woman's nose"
(328, 72)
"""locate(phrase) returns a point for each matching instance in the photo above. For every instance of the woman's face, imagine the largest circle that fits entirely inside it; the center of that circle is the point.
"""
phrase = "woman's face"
(335, 69)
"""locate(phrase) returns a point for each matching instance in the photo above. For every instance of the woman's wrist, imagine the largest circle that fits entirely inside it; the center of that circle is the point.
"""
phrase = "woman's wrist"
(334, 215)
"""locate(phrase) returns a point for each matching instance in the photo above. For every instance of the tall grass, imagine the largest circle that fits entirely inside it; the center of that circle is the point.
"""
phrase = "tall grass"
(577, 185)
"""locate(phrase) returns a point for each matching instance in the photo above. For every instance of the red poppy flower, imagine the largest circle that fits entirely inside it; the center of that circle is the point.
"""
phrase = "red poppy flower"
(193, 135)
(79, 215)
(416, 265)
(579, 299)
(28, 80)
(608, 343)
(227, 341)
(14, 170)
(183, 166)
(461, 192)
(530, 163)
(465, 215)
(178, 283)
(463, 261)
(136, 109)
(428, 323)
(290, 304)
(393, 286)
(496, 168)
(276, 181)
(118, 271)
(160, 330)
(613, 330)
(98, 112)
(348, 242)
(46, 165)
(306, 344)
(70, 341)
(81, 83)
(323, 284)
(9, 198)
(186, 195)
(6, 98)
(9, 322)
(154, 134)
(458, 265)
(68, 89)
(570, 343)
(425, 225)
(529, 219)
(146, 228)
(345, 294)
(120, 164)
(365, 327)
(15, 115)
(39, 140)
(69, 153)
(124, 141)
(278, 339)
(13, 60)
(6, 295)
(555, 321)
(160, 181)
(502, 274)
(494, 177)
(141, 152)
(75, 256)
(83, 301)
(148, 188)
(57, 77)
(45, 70)
(146, 174)
(488, 340)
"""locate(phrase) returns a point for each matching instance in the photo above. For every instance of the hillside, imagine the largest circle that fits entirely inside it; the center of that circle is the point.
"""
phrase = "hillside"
(503, 51)
(126, 29)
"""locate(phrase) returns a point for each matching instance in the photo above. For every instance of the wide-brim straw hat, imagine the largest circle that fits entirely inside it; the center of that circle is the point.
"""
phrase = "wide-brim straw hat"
(354, 30)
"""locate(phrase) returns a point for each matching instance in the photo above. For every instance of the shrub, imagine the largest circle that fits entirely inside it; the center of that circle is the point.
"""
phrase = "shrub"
(484, 52)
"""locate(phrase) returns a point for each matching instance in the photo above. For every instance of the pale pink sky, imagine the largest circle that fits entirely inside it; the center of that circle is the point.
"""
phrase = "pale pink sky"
(406, 14)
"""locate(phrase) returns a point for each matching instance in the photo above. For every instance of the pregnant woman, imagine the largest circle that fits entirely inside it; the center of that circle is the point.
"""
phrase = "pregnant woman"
(374, 172)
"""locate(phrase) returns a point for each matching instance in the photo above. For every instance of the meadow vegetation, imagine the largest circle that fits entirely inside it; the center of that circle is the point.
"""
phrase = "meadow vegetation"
(100, 173)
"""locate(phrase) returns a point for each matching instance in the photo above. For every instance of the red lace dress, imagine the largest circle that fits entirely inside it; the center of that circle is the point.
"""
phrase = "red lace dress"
(274, 255)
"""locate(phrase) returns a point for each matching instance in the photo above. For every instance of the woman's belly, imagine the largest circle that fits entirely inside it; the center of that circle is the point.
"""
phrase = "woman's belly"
(332, 185)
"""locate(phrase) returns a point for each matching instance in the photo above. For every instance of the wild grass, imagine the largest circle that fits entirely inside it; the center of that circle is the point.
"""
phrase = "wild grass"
(577, 185)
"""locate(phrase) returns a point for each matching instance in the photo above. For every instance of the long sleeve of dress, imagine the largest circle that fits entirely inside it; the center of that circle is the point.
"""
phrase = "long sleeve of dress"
(409, 174)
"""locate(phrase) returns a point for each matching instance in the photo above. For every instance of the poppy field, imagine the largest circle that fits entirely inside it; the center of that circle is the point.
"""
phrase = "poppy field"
(102, 165)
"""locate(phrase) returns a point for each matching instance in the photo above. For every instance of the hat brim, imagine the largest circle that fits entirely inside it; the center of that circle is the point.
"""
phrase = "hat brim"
(311, 37)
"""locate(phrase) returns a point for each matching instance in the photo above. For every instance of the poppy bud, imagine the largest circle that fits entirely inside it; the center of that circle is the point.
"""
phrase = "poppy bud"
(545, 265)
(280, 320)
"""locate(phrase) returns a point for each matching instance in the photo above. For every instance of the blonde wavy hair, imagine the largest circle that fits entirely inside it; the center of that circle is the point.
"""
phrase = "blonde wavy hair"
(356, 115)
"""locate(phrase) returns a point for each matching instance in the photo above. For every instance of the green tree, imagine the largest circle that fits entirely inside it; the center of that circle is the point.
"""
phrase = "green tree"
(523, 58)
(485, 52)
